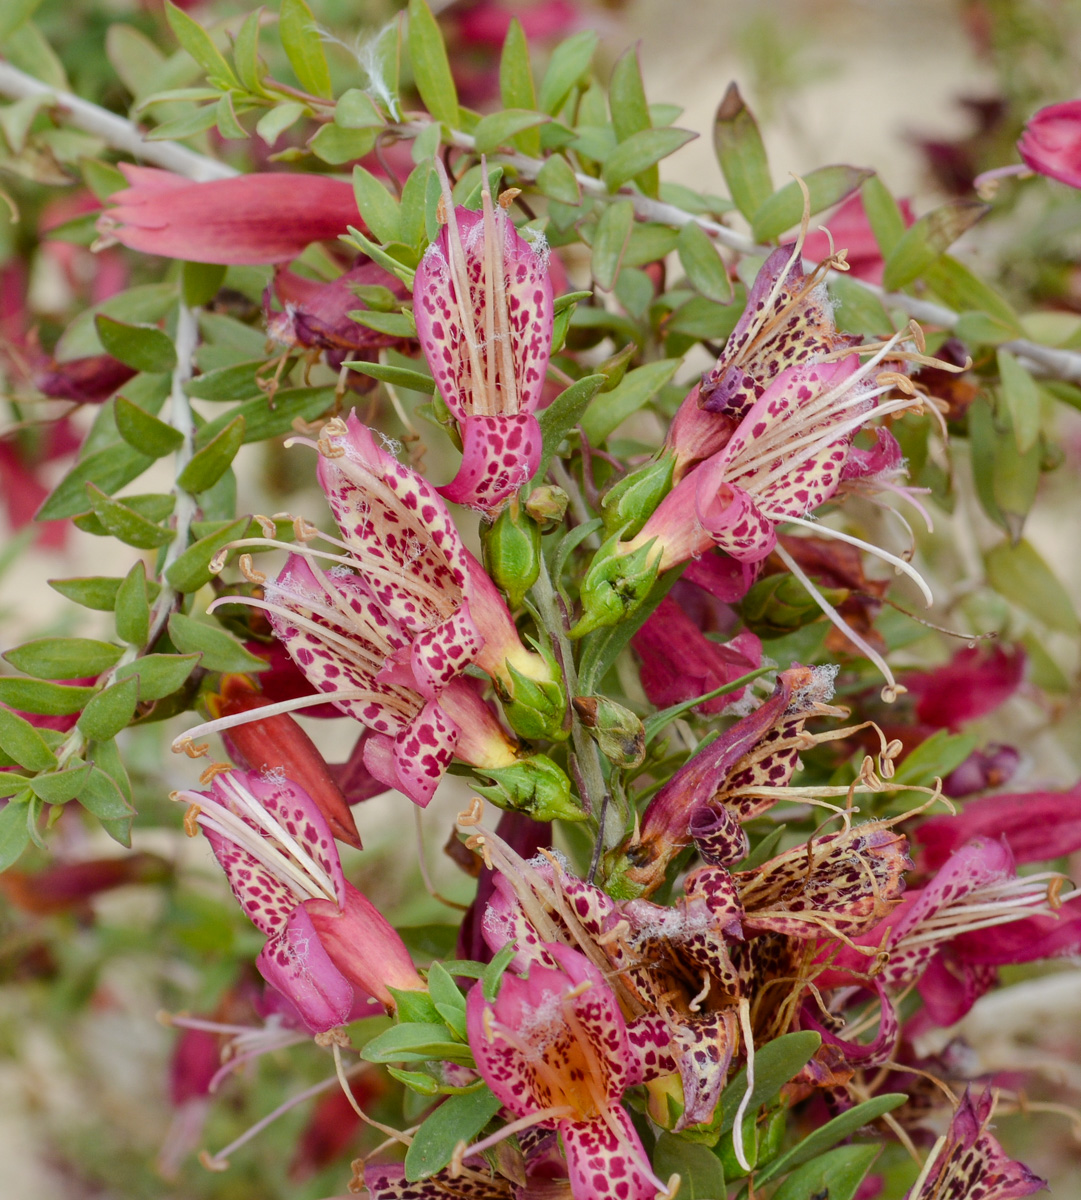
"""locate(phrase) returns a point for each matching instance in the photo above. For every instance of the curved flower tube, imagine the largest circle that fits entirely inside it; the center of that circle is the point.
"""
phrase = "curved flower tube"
(483, 304)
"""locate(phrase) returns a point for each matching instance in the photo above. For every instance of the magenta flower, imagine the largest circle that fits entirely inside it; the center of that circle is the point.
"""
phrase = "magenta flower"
(1051, 142)
(553, 1047)
(969, 1164)
(324, 939)
(260, 218)
(482, 299)
(973, 683)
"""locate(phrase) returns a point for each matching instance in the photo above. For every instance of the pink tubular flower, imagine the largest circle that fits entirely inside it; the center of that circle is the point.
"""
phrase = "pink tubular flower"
(973, 683)
(483, 305)
(969, 1164)
(260, 218)
(324, 939)
(553, 1047)
(852, 233)
(1051, 142)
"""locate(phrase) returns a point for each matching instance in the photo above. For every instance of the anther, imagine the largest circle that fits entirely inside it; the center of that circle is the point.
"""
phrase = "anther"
(508, 197)
(191, 821)
(218, 768)
(217, 563)
(248, 570)
(266, 524)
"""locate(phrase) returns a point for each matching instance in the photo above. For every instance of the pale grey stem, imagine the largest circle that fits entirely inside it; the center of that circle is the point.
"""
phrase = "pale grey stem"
(118, 132)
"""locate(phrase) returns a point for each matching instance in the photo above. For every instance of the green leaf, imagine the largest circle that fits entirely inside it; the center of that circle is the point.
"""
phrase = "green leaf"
(774, 1065)
(831, 1133)
(741, 153)
(303, 44)
(110, 710)
(336, 146)
(144, 432)
(827, 185)
(399, 324)
(91, 591)
(249, 70)
(226, 120)
(357, 110)
(63, 658)
(109, 469)
(1021, 394)
(153, 506)
(191, 570)
(561, 416)
(836, 1174)
(640, 152)
(201, 282)
(458, 1119)
(27, 49)
(148, 303)
(1015, 479)
(610, 242)
(448, 1000)
(234, 382)
(103, 799)
(857, 310)
(261, 421)
(965, 292)
(926, 241)
(704, 266)
(497, 129)
(58, 787)
(133, 607)
(214, 459)
(14, 831)
(197, 42)
(415, 1041)
(377, 206)
(401, 377)
(627, 96)
(220, 650)
(1021, 575)
(159, 675)
(569, 62)
(21, 742)
(14, 14)
(883, 214)
(142, 347)
(557, 181)
(937, 756)
(699, 1169)
(125, 523)
(516, 84)
(275, 121)
(611, 409)
(431, 69)
(48, 699)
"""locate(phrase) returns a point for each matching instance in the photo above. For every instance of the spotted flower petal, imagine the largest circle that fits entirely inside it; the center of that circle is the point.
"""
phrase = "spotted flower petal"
(499, 455)
(296, 963)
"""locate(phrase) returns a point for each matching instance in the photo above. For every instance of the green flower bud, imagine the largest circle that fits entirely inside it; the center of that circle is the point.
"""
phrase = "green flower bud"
(547, 505)
(616, 585)
(534, 707)
(620, 735)
(512, 553)
(779, 604)
(631, 502)
(533, 785)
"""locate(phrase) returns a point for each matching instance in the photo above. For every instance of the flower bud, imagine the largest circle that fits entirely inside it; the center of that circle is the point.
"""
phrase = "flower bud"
(535, 786)
(616, 585)
(620, 735)
(779, 604)
(534, 707)
(512, 553)
(547, 505)
(631, 502)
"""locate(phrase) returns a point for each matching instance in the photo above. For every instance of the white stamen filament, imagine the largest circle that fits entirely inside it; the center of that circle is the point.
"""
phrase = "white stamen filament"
(748, 1047)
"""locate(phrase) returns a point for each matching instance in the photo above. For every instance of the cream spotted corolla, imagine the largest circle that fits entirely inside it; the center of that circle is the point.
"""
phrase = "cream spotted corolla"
(324, 939)
(482, 299)
(553, 1047)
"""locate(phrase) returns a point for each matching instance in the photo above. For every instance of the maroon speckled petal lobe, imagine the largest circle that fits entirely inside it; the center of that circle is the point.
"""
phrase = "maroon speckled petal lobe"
(423, 751)
(499, 455)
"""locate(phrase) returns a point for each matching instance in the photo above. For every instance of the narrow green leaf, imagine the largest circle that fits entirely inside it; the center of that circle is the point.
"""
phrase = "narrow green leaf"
(144, 432)
(192, 569)
(412, 213)
(499, 129)
(109, 469)
(397, 324)
(377, 206)
(21, 742)
(234, 382)
(431, 68)
(357, 110)
(63, 658)
(926, 241)
(1015, 477)
(14, 833)
(414, 1041)
(226, 119)
(640, 152)
(201, 282)
(701, 1176)
(58, 787)
(883, 214)
(153, 506)
(110, 710)
(1021, 575)
(148, 303)
(103, 799)
(741, 153)
(857, 310)
(159, 675)
(627, 96)
(220, 650)
(964, 292)
(557, 181)
(249, 70)
(97, 592)
(133, 607)
(214, 459)
(303, 44)
(261, 421)
(336, 146)
(611, 409)
(836, 1174)
(401, 377)
(704, 266)
(516, 84)
(190, 125)
(458, 1119)
(774, 1065)
(48, 699)
(142, 347)
(610, 242)
(561, 416)
(14, 14)
(569, 62)
(784, 209)
(1021, 394)
(102, 178)
(275, 121)
(448, 1000)
(197, 42)
(28, 49)
(125, 523)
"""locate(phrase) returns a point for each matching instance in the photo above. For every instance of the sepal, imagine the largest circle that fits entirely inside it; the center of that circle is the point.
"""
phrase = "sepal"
(534, 707)
(632, 501)
(619, 734)
(779, 604)
(616, 584)
(535, 786)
